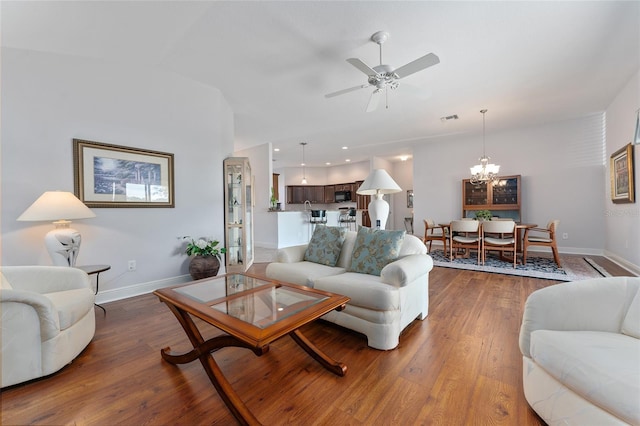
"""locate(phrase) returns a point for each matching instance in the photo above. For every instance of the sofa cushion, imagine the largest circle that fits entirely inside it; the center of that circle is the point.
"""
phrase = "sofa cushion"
(412, 245)
(364, 290)
(601, 367)
(374, 249)
(72, 305)
(301, 273)
(631, 323)
(325, 245)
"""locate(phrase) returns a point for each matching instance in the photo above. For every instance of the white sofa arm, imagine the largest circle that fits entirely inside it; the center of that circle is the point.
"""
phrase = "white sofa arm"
(292, 254)
(598, 304)
(406, 270)
(45, 279)
(47, 314)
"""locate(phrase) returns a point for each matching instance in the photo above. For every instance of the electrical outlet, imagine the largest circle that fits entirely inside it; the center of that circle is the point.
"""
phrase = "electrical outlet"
(565, 236)
(132, 265)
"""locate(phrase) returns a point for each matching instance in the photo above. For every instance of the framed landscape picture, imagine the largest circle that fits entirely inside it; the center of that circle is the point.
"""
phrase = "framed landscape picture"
(108, 175)
(622, 176)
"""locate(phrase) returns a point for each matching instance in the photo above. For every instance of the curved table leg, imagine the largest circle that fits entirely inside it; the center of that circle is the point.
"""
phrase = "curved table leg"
(327, 362)
(202, 350)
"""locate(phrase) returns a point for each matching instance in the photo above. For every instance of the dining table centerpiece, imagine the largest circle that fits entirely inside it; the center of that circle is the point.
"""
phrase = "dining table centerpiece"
(205, 257)
(484, 215)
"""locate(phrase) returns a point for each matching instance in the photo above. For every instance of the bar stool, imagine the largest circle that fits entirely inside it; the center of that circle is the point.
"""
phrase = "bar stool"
(348, 219)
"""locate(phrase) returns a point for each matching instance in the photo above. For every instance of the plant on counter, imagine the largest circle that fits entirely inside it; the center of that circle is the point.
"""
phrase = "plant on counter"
(484, 215)
(274, 200)
(204, 247)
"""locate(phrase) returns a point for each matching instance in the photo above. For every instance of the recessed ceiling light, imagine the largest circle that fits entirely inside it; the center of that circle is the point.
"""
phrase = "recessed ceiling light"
(276, 149)
(348, 160)
(345, 147)
(327, 163)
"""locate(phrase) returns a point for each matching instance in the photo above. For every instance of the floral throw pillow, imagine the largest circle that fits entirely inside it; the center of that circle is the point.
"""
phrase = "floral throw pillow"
(374, 249)
(325, 245)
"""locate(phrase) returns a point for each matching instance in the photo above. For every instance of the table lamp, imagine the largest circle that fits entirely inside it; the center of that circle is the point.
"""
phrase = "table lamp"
(377, 184)
(63, 242)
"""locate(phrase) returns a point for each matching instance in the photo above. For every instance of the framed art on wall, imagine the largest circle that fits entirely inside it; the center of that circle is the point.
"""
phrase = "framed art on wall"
(410, 198)
(108, 175)
(621, 168)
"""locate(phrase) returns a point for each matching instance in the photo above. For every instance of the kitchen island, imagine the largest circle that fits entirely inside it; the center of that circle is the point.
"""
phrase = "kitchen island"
(292, 228)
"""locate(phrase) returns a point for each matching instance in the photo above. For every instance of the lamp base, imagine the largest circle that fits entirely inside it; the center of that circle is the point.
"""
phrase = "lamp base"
(63, 245)
(378, 211)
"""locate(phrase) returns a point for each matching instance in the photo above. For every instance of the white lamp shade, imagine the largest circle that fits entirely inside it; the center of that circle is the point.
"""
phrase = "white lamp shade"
(378, 182)
(56, 205)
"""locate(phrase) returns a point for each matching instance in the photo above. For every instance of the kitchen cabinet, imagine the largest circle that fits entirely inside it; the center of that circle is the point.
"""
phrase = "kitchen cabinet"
(298, 194)
(238, 215)
(329, 194)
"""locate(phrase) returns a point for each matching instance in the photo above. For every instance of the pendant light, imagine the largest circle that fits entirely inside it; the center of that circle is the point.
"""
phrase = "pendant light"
(304, 177)
(484, 172)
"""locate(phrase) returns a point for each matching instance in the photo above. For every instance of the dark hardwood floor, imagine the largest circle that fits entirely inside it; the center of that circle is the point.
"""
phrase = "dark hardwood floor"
(460, 366)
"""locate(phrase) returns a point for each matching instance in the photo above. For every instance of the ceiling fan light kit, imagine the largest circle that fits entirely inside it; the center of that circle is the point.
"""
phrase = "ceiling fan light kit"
(383, 76)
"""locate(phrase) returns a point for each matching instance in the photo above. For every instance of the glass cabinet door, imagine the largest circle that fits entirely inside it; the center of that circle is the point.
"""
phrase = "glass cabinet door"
(475, 195)
(238, 214)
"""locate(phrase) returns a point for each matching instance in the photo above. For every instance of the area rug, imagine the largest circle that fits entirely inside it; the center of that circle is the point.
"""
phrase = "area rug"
(538, 266)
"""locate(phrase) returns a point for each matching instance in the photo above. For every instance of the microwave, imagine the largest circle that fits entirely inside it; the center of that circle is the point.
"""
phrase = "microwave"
(341, 196)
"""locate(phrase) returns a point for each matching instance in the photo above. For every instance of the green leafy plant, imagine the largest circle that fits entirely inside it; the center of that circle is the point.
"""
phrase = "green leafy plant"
(274, 200)
(484, 214)
(204, 247)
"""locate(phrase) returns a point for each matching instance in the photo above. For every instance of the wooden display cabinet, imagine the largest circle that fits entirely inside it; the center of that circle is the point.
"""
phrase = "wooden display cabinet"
(502, 198)
(238, 198)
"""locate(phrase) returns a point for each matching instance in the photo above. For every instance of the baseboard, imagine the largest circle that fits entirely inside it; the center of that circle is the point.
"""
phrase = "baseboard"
(623, 263)
(139, 289)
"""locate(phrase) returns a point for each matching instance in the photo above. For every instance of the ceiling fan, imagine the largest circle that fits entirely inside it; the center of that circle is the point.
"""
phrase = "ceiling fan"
(384, 77)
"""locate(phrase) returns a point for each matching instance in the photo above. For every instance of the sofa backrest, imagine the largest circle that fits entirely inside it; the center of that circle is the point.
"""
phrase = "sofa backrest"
(410, 245)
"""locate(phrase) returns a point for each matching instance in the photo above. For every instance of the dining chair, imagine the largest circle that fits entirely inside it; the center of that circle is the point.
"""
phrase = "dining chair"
(464, 234)
(433, 232)
(499, 235)
(544, 237)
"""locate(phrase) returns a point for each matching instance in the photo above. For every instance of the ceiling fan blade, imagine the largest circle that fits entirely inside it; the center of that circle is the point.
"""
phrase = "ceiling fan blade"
(343, 91)
(362, 66)
(373, 100)
(418, 65)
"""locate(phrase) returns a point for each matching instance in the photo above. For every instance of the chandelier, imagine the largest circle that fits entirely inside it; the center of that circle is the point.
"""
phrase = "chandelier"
(304, 177)
(484, 172)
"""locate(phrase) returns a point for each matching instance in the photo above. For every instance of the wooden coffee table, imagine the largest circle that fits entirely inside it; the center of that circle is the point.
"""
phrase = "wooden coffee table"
(253, 312)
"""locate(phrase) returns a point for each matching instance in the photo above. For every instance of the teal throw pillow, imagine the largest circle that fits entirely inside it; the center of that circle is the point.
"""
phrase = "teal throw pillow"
(325, 245)
(374, 249)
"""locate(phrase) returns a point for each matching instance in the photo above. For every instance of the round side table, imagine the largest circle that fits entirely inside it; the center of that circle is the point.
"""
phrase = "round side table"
(95, 270)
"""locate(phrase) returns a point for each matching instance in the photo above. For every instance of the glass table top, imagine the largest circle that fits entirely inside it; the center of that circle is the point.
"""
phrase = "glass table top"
(252, 300)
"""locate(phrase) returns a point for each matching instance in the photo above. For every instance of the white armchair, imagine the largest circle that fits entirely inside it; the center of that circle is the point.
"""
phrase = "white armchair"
(580, 344)
(47, 319)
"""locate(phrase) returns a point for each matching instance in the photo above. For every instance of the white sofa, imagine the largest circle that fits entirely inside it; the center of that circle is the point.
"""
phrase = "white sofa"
(380, 306)
(47, 319)
(581, 352)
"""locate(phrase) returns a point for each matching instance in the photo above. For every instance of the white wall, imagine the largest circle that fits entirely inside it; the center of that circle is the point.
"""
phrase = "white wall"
(48, 99)
(622, 221)
(402, 173)
(562, 168)
(264, 231)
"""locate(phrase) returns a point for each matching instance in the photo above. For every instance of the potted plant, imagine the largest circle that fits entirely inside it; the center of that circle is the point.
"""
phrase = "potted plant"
(484, 215)
(274, 200)
(205, 260)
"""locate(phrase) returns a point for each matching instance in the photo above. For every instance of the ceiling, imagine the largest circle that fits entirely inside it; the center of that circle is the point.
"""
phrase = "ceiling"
(526, 62)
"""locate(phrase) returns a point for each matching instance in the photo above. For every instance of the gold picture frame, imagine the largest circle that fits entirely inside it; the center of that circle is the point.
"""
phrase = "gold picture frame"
(107, 175)
(621, 168)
